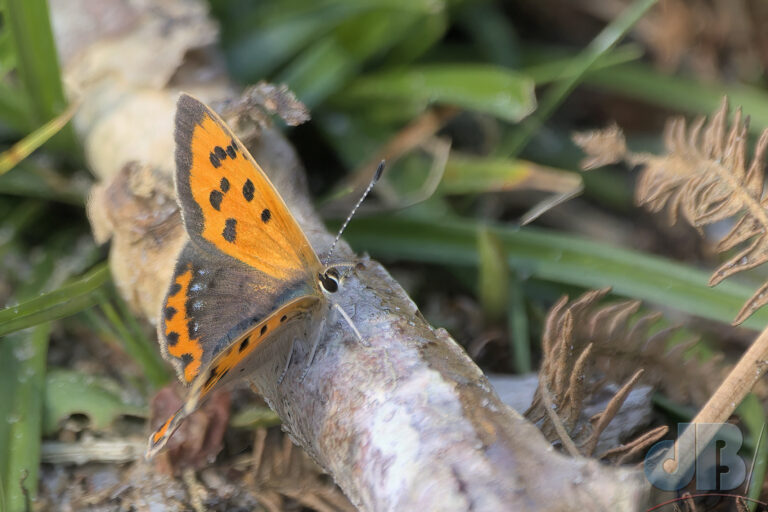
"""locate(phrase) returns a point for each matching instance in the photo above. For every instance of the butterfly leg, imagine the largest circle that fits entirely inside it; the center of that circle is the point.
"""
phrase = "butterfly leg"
(287, 363)
(315, 342)
(351, 324)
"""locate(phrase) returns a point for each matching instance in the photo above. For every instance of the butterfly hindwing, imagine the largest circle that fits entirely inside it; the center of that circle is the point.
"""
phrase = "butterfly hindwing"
(241, 355)
(228, 203)
(211, 301)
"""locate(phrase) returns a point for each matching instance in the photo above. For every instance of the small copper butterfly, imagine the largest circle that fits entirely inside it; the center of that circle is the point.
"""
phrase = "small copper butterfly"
(247, 259)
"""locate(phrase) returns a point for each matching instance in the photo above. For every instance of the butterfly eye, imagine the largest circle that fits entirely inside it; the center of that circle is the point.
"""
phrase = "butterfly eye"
(329, 280)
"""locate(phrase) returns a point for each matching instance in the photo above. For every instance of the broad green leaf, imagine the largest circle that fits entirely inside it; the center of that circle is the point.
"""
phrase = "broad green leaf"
(101, 400)
(493, 90)
(467, 174)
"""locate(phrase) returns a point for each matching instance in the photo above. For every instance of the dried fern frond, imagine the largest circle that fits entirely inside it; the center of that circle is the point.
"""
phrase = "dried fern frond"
(705, 177)
(587, 347)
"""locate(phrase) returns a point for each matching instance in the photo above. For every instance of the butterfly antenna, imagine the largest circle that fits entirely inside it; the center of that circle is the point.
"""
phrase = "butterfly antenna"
(376, 176)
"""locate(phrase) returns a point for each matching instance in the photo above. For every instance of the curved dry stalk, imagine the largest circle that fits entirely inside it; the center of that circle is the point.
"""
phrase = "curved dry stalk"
(723, 402)
(706, 177)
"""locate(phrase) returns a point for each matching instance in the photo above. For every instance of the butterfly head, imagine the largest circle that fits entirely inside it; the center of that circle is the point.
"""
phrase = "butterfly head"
(329, 280)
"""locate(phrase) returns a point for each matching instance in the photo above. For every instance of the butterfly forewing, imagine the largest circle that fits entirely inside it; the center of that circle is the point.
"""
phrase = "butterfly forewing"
(228, 202)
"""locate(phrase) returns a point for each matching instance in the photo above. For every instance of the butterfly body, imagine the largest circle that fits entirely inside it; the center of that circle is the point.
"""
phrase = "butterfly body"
(247, 278)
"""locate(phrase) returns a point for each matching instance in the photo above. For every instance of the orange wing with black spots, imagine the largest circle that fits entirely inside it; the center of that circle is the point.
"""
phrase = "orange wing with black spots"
(181, 342)
(247, 272)
(244, 354)
(228, 203)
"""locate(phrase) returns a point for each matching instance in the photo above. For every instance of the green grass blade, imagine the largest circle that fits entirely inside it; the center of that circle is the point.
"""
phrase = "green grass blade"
(573, 74)
(277, 42)
(24, 447)
(330, 62)
(65, 301)
(8, 383)
(752, 415)
(418, 40)
(640, 81)
(561, 258)
(492, 33)
(493, 279)
(22, 149)
(37, 62)
(15, 109)
(493, 90)
(548, 66)
(31, 180)
(137, 347)
(517, 327)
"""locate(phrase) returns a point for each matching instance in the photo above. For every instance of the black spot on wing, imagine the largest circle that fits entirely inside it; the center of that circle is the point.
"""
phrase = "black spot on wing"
(220, 153)
(244, 344)
(230, 230)
(263, 329)
(265, 215)
(231, 152)
(172, 338)
(283, 318)
(248, 190)
(215, 199)
(214, 161)
(233, 144)
(224, 185)
(175, 288)
(169, 312)
(186, 359)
